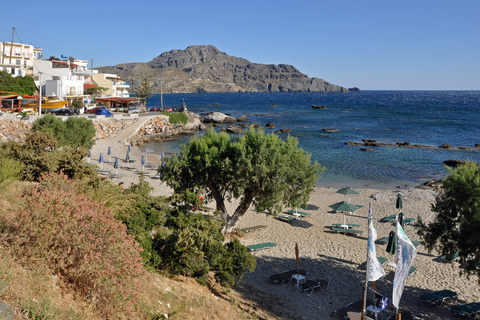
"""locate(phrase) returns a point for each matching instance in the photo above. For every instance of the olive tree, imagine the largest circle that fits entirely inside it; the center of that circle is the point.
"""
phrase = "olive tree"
(254, 168)
(455, 227)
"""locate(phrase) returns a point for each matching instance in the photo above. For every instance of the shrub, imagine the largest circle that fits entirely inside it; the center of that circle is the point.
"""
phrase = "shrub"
(176, 118)
(82, 242)
(193, 246)
(75, 132)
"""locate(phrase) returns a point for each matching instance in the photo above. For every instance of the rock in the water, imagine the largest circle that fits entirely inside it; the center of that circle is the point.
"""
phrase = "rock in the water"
(330, 130)
(283, 131)
(242, 119)
(454, 163)
(318, 107)
(218, 117)
(234, 129)
(270, 125)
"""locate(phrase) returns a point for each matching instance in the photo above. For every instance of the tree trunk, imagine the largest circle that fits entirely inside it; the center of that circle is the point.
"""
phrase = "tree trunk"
(231, 222)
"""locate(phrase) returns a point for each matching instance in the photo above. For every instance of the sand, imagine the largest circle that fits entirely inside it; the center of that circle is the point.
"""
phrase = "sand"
(325, 254)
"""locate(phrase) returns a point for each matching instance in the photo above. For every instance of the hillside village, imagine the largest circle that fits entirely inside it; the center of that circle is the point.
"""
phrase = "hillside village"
(61, 80)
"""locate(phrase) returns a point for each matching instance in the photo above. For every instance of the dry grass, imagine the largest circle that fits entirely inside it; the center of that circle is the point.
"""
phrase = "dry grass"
(34, 292)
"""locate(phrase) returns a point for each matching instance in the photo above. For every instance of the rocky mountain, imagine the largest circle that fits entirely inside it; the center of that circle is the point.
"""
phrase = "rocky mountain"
(204, 68)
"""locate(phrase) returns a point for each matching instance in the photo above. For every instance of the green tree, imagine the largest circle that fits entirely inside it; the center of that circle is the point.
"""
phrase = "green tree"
(455, 228)
(257, 169)
(21, 85)
(143, 90)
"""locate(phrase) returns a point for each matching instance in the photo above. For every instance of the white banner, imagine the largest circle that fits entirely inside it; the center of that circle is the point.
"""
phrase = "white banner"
(374, 270)
(406, 253)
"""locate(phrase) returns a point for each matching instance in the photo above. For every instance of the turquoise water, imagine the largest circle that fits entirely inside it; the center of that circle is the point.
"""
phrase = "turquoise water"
(418, 117)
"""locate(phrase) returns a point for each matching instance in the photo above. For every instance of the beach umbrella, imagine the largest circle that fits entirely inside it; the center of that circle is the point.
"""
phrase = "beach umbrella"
(398, 205)
(391, 245)
(345, 206)
(129, 149)
(116, 165)
(400, 218)
(146, 150)
(89, 154)
(143, 162)
(348, 191)
(109, 152)
(297, 256)
(127, 157)
(101, 160)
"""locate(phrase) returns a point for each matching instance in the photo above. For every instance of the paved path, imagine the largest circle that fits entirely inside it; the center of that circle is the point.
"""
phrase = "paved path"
(128, 132)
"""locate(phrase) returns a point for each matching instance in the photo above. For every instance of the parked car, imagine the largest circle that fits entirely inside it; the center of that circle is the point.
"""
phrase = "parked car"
(66, 112)
(103, 111)
(154, 109)
(93, 110)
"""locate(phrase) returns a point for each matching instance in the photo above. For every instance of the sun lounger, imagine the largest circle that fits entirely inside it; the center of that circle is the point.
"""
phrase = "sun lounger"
(455, 257)
(261, 246)
(286, 276)
(408, 220)
(308, 286)
(346, 225)
(468, 309)
(301, 213)
(156, 176)
(382, 260)
(254, 228)
(438, 297)
(349, 231)
(286, 218)
(412, 271)
(389, 218)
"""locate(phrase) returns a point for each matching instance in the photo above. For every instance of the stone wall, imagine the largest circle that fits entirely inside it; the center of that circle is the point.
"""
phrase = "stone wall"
(110, 127)
(13, 128)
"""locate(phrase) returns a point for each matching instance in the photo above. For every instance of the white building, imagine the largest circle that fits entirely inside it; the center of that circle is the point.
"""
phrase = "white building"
(18, 58)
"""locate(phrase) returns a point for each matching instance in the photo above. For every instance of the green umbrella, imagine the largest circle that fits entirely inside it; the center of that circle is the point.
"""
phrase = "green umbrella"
(348, 191)
(400, 219)
(391, 245)
(399, 201)
(345, 206)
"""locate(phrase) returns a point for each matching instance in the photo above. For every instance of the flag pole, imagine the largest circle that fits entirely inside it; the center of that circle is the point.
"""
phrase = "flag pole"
(364, 298)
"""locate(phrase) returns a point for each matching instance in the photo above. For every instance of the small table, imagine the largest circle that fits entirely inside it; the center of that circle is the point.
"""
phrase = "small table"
(376, 311)
(298, 278)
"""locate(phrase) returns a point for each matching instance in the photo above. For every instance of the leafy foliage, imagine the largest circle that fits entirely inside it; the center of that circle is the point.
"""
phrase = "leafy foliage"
(455, 228)
(82, 242)
(39, 154)
(74, 132)
(258, 169)
(21, 85)
(143, 90)
(193, 246)
(77, 103)
(176, 117)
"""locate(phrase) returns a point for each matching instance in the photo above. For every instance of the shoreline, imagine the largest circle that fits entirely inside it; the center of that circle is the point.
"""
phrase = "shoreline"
(331, 256)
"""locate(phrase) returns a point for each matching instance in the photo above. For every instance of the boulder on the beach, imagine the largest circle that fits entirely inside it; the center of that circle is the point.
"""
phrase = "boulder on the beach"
(270, 125)
(454, 163)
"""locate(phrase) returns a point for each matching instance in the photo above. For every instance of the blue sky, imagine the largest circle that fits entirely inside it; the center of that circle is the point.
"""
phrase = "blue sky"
(371, 44)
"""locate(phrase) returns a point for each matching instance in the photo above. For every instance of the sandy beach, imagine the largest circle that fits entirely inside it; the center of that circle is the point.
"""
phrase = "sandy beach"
(328, 255)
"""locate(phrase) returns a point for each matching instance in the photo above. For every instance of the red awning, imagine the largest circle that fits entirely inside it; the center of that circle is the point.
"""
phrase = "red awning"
(89, 85)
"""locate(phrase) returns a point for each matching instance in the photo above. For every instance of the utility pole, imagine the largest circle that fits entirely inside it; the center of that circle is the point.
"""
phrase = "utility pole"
(40, 95)
(161, 96)
(11, 46)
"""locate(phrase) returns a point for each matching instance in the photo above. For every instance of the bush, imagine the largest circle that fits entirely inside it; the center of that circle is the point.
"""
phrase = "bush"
(39, 155)
(193, 246)
(82, 242)
(176, 118)
(75, 132)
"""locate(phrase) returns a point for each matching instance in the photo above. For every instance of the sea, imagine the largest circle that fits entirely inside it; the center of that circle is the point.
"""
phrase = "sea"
(418, 117)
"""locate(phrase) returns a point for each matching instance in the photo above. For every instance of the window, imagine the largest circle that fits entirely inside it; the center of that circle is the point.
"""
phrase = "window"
(72, 91)
(18, 62)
